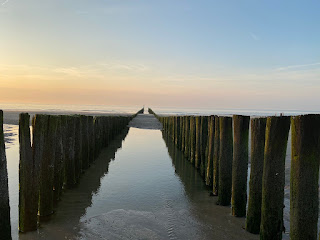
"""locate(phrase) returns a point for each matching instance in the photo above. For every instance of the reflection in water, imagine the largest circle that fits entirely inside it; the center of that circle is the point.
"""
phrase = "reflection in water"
(63, 224)
(141, 197)
(219, 222)
(10, 134)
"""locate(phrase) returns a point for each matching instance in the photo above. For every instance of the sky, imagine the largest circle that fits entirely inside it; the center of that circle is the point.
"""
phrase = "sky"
(245, 54)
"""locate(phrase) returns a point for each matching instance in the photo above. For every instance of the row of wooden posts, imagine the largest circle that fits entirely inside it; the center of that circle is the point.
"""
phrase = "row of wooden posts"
(62, 148)
(218, 147)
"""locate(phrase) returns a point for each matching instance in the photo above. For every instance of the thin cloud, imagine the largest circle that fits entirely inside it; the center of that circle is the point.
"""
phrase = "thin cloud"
(297, 66)
(126, 67)
(4, 2)
(254, 36)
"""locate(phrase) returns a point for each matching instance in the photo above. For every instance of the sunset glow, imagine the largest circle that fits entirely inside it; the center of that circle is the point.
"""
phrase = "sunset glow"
(161, 53)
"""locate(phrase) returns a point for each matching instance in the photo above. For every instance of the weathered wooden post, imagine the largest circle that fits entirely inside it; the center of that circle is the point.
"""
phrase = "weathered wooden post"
(215, 160)
(240, 165)
(209, 169)
(304, 200)
(177, 132)
(5, 225)
(78, 147)
(91, 139)
(277, 131)
(85, 142)
(47, 168)
(197, 154)
(187, 137)
(171, 127)
(192, 139)
(108, 126)
(97, 133)
(225, 161)
(182, 133)
(258, 132)
(59, 160)
(29, 167)
(70, 175)
(203, 145)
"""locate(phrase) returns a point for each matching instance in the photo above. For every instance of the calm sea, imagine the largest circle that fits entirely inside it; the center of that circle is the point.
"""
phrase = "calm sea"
(87, 109)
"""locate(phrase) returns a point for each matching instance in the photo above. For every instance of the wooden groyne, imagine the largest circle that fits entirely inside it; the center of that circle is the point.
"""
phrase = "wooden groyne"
(227, 159)
(62, 148)
(5, 225)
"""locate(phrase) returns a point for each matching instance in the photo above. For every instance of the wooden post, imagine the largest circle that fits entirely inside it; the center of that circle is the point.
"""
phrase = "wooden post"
(70, 176)
(29, 167)
(91, 139)
(225, 163)
(59, 161)
(215, 160)
(277, 131)
(209, 169)
(5, 225)
(203, 145)
(192, 139)
(78, 147)
(171, 131)
(187, 137)
(179, 132)
(47, 168)
(240, 165)
(197, 153)
(304, 179)
(258, 132)
(177, 129)
(85, 142)
(182, 120)
(96, 125)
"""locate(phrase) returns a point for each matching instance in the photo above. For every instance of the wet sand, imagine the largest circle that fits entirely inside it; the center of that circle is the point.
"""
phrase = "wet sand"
(146, 121)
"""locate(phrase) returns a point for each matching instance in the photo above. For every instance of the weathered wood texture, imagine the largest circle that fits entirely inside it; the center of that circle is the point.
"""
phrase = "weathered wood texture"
(85, 142)
(258, 130)
(304, 200)
(192, 139)
(225, 161)
(187, 137)
(277, 131)
(78, 147)
(47, 167)
(29, 167)
(210, 147)
(91, 141)
(240, 164)
(203, 145)
(215, 160)
(197, 154)
(70, 175)
(59, 160)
